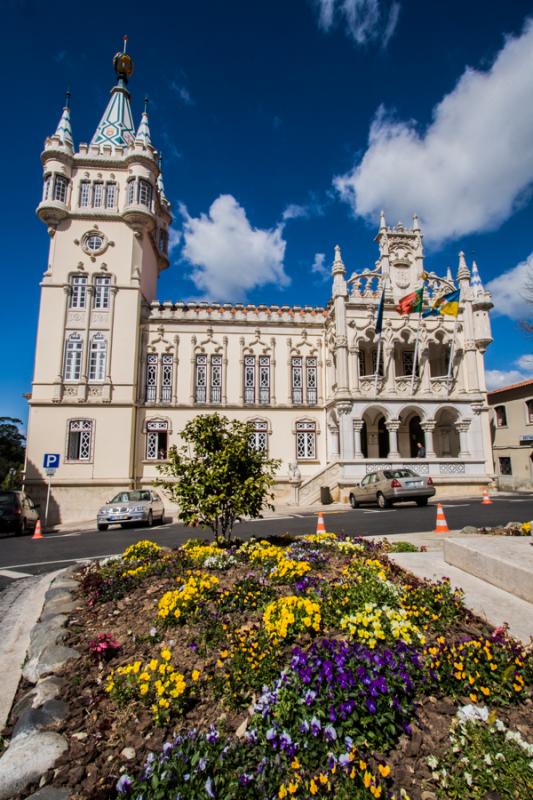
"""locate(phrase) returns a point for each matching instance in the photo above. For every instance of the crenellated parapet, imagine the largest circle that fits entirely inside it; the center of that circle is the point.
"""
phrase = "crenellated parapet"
(228, 312)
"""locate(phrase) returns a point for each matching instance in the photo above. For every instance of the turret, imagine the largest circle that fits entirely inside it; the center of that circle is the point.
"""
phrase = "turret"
(56, 159)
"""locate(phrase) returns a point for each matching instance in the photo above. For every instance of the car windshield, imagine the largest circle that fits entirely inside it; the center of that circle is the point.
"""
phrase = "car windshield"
(131, 497)
(7, 498)
(400, 473)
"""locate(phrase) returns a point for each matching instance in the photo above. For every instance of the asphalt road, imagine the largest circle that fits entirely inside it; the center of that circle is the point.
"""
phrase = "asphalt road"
(20, 557)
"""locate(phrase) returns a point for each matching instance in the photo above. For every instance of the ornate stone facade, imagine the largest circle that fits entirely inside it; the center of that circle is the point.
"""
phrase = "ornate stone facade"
(118, 373)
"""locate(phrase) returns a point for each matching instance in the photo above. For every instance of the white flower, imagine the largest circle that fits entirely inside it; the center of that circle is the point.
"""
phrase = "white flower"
(468, 778)
(487, 759)
(472, 713)
(432, 762)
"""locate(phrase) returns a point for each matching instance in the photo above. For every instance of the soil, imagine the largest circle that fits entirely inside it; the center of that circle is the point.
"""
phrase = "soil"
(103, 739)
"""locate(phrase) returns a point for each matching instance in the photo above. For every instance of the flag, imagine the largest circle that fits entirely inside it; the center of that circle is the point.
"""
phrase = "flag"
(411, 302)
(447, 305)
(379, 315)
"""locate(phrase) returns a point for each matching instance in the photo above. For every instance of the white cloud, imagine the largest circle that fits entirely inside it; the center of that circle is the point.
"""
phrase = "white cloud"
(498, 378)
(470, 168)
(182, 92)
(364, 20)
(174, 238)
(229, 256)
(512, 291)
(319, 268)
(295, 211)
(525, 362)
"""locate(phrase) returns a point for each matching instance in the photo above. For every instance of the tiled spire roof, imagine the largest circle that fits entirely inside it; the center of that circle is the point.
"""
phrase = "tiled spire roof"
(64, 129)
(475, 281)
(116, 126)
(143, 131)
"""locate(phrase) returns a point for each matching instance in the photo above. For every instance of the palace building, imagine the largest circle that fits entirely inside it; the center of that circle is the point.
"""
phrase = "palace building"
(118, 373)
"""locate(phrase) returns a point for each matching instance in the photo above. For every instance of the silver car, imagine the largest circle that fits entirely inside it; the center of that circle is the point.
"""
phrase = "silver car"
(139, 505)
(388, 486)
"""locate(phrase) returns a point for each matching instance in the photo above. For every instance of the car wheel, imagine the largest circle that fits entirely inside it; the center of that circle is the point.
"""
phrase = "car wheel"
(421, 501)
(382, 500)
(353, 501)
(21, 529)
(150, 520)
(102, 526)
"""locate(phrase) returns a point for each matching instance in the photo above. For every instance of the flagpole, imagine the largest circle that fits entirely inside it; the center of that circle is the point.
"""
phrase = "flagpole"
(415, 357)
(452, 356)
(378, 361)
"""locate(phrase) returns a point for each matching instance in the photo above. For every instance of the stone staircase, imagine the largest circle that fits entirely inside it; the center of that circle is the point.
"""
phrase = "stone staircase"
(495, 573)
(330, 476)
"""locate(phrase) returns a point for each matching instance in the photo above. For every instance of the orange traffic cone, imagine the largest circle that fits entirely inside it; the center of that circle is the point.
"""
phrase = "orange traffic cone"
(320, 526)
(37, 532)
(486, 499)
(441, 524)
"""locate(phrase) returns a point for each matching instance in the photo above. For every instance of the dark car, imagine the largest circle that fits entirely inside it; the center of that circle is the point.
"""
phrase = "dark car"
(18, 514)
(389, 486)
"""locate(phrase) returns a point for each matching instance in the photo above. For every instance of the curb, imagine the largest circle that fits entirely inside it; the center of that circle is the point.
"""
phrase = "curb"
(35, 746)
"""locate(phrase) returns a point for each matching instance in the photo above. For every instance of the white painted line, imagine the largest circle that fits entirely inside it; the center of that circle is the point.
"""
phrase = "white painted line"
(66, 535)
(456, 505)
(381, 511)
(525, 500)
(8, 573)
(59, 561)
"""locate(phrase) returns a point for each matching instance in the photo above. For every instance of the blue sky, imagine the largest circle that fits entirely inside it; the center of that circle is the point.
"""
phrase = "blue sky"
(285, 127)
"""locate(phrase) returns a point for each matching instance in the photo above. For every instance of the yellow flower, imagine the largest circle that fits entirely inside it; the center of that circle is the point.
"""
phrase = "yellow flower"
(282, 792)
(195, 674)
(367, 779)
(313, 788)
(384, 771)
(165, 654)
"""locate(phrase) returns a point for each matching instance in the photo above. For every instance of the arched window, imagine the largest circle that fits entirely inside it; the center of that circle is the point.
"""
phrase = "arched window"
(529, 411)
(101, 292)
(73, 351)
(259, 437)
(47, 185)
(501, 416)
(78, 291)
(131, 191)
(156, 439)
(305, 440)
(60, 188)
(304, 380)
(145, 193)
(79, 444)
(97, 358)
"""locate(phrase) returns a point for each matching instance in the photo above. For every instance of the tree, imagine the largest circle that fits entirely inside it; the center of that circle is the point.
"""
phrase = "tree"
(12, 443)
(218, 476)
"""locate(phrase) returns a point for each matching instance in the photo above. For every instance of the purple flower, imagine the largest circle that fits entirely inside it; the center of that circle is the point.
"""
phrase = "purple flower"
(316, 726)
(124, 784)
(344, 760)
(271, 734)
(209, 788)
(245, 779)
(309, 697)
(371, 706)
(212, 736)
(330, 733)
(202, 764)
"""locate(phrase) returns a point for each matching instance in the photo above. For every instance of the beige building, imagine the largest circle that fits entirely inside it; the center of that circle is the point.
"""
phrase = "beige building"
(512, 435)
(118, 373)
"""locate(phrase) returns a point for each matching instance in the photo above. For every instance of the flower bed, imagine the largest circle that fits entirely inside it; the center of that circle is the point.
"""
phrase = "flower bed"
(291, 669)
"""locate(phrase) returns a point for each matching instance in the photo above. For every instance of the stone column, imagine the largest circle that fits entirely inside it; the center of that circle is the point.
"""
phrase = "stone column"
(389, 368)
(392, 427)
(425, 382)
(358, 448)
(428, 427)
(463, 427)
(345, 431)
(354, 352)
(334, 442)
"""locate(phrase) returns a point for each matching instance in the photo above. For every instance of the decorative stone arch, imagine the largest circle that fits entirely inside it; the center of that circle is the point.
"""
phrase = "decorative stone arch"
(377, 424)
(215, 355)
(304, 369)
(257, 370)
(411, 431)
(446, 434)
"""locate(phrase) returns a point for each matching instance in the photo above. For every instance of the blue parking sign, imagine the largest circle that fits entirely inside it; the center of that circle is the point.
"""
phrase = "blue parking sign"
(51, 460)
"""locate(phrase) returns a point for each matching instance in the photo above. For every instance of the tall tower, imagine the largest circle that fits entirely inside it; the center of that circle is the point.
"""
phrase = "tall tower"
(108, 219)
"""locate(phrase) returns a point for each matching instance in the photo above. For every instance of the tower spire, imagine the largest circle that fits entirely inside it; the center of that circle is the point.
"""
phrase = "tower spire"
(475, 281)
(160, 184)
(463, 273)
(143, 131)
(116, 126)
(64, 128)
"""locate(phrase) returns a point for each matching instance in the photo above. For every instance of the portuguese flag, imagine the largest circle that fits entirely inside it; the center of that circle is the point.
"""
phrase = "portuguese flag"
(411, 302)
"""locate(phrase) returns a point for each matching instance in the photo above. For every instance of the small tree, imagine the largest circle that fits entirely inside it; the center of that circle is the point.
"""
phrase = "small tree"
(218, 476)
(12, 443)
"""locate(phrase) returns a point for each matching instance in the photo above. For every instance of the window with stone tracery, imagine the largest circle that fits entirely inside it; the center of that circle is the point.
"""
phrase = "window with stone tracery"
(156, 439)
(151, 378)
(110, 195)
(73, 353)
(78, 291)
(216, 379)
(259, 436)
(131, 192)
(98, 194)
(257, 380)
(97, 358)
(200, 382)
(79, 444)
(47, 186)
(375, 362)
(304, 378)
(208, 379)
(85, 192)
(101, 292)
(167, 368)
(362, 363)
(408, 358)
(60, 188)
(145, 193)
(305, 440)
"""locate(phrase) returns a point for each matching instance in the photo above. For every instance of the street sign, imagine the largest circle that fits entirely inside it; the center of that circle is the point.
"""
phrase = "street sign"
(50, 472)
(51, 460)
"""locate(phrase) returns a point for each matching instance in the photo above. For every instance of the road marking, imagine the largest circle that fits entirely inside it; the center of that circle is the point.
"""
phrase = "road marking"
(8, 573)
(381, 511)
(60, 561)
(525, 500)
(455, 505)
